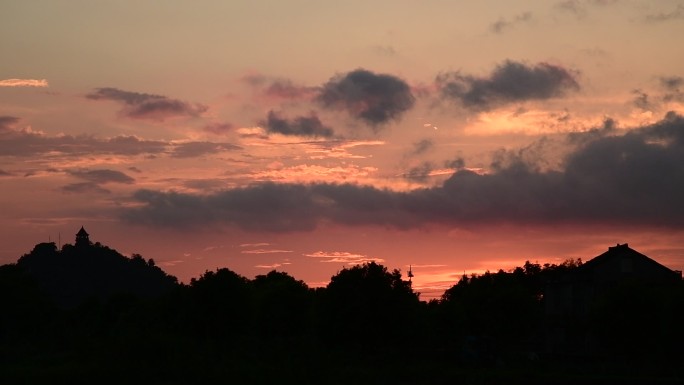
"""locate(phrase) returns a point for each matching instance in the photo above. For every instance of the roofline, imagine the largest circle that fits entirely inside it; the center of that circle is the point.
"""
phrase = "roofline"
(599, 259)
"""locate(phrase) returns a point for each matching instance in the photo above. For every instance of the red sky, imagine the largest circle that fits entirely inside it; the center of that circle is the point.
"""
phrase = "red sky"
(308, 136)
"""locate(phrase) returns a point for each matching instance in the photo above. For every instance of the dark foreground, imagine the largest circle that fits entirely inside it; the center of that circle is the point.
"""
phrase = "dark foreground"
(68, 316)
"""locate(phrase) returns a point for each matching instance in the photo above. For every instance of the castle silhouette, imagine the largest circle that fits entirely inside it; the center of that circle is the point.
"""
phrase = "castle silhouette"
(82, 238)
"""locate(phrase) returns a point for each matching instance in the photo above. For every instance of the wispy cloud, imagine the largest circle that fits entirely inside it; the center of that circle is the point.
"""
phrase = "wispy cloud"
(502, 24)
(147, 106)
(265, 251)
(94, 179)
(384, 50)
(171, 262)
(279, 88)
(272, 266)
(573, 7)
(675, 14)
(339, 149)
(23, 83)
(419, 173)
(425, 266)
(103, 176)
(26, 143)
(260, 244)
(343, 257)
(305, 173)
(84, 188)
(196, 149)
(219, 128)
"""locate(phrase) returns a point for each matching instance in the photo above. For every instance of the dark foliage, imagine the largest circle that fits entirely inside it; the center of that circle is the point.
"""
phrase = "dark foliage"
(88, 314)
(506, 306)
(92, 271)
(366, 306)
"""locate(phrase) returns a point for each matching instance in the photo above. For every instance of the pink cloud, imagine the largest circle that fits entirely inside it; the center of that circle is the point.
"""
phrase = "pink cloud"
(23, 83)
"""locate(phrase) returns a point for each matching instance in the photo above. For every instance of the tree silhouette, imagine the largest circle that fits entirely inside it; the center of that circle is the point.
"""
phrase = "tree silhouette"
(505, 306)
(88, 312)
(282, 305)
(25, 310)
(366, 305)
(219, 306)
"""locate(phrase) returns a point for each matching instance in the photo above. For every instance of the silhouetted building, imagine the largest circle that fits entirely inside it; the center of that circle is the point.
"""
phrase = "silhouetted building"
(82, 238)
(570, 299)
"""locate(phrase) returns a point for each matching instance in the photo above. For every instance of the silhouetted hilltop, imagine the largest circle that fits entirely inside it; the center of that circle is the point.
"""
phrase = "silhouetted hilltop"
(86, 271)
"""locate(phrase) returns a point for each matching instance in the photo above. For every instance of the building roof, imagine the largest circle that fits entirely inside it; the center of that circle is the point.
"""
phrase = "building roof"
(82, 232)
(621, 252)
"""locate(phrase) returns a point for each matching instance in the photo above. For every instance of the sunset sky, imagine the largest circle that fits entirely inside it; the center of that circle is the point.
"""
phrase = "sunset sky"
(306, 136)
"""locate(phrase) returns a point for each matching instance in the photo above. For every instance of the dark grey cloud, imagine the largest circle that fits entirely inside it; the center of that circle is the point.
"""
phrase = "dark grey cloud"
(670, 90)
(420, 173)
(422, 146)
(673, 88)
(219, 128)
(308, 126)
(94, 179)
(279, 88)
(457, 163)
(195, 149)
(671, 83)
(147, 106)
(102, 176)
(265, 207)
(124, 145)
(255, 79)
(286, 89)
(642, 100)
(608, 128)
(84, 187)
(6, 122)
(611, 178)
(23, 143)
(204, 184)
(509, 82)
(372, 98)
(503, 24)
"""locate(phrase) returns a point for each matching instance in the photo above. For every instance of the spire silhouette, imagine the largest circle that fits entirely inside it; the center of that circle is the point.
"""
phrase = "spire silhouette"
(82, 238)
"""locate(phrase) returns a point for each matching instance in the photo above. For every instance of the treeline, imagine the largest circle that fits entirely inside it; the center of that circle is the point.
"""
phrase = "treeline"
(366, 326)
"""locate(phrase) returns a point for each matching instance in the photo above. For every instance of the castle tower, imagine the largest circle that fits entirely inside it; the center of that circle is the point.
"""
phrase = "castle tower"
(82, 238)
